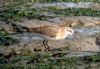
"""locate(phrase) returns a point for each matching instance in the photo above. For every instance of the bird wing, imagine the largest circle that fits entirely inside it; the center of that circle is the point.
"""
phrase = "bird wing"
(46, 30)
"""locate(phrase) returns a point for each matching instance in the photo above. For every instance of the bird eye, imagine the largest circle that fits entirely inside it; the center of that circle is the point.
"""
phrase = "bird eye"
(70, 31)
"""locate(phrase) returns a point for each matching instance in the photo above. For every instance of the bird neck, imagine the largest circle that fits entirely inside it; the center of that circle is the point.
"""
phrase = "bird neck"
(61, 34)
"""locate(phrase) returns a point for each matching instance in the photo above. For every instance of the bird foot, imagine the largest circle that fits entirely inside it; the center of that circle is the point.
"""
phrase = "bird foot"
(48, 49)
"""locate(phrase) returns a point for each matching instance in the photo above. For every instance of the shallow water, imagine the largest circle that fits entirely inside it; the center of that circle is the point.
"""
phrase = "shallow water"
(65, 4)
(83, 32)
(87, 32)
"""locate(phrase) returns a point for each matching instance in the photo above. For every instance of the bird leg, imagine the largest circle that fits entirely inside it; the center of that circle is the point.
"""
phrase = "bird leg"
(45, 43)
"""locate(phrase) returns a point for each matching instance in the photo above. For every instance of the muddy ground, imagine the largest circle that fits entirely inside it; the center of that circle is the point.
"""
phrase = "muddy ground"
(87, 31)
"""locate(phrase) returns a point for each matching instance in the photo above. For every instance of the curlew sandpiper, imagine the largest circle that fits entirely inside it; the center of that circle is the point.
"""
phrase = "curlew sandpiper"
(52, 32)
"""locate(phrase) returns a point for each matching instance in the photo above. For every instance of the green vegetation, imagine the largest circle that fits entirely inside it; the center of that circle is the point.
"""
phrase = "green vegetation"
(46, 60)
(15, 13)
(19, 9)
(5, 39)
(75, 11)
(45, 1)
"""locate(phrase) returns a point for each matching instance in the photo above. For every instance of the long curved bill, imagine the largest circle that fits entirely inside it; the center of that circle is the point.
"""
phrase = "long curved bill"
(76, 37)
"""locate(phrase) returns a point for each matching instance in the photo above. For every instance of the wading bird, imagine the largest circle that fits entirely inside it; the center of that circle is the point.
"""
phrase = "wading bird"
(52, 32)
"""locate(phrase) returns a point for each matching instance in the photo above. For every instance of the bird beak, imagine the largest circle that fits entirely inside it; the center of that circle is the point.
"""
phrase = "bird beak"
(76, 37)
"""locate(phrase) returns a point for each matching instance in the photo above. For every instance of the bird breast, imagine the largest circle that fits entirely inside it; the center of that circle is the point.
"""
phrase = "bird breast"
(61, 34)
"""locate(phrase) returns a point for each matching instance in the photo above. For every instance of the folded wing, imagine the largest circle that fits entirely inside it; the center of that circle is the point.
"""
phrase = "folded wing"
(46, 30)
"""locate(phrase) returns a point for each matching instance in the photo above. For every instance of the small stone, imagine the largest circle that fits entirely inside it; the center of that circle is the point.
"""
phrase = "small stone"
(97, 41)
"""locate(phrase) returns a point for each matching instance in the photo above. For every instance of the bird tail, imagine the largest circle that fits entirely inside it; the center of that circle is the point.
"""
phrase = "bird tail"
(21, 29)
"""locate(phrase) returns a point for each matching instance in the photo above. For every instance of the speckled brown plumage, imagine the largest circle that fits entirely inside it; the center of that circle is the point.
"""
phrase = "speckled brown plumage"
(50, 31)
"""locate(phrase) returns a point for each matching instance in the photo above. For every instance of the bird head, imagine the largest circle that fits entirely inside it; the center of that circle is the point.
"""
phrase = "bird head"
(71, 32)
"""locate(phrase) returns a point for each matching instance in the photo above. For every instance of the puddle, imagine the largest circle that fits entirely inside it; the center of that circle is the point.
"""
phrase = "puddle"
(29, 37)
(65, 5)
(87, 32)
